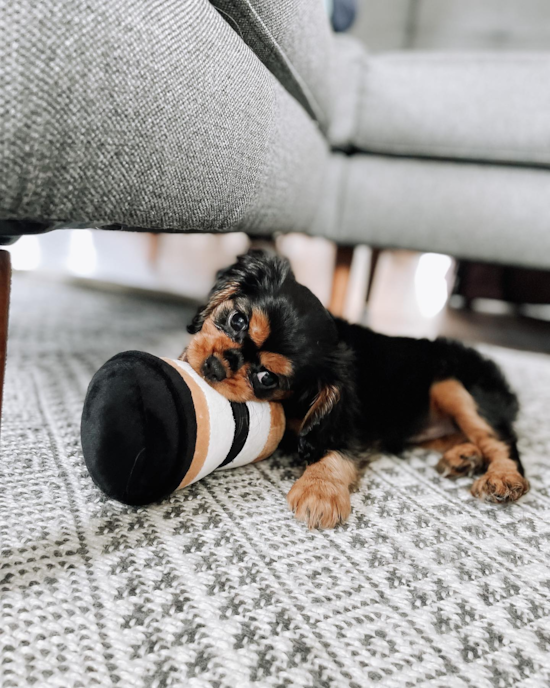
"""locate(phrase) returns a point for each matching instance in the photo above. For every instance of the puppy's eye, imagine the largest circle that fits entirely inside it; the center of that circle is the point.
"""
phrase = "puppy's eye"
(267, 379)
(238, 321)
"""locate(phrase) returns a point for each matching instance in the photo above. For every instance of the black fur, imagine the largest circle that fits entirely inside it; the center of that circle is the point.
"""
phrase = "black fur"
(393, 380)
(382, 383)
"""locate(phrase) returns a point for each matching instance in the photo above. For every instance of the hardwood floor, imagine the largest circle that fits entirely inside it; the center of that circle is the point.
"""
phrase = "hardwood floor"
(514, 332)
(396, 308)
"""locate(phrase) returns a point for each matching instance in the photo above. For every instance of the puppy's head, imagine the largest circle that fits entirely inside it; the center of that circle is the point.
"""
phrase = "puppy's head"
(262, 336)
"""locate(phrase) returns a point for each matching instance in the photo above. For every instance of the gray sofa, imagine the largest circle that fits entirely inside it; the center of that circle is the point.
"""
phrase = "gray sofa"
(252, 115)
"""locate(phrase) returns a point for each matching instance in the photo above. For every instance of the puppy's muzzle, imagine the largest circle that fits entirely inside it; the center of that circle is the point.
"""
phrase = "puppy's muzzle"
(213, 369)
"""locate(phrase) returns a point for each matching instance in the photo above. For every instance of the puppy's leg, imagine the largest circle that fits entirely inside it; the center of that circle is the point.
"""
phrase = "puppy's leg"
(321, 497)
(460, 457)
(503, 480)
(443, 444)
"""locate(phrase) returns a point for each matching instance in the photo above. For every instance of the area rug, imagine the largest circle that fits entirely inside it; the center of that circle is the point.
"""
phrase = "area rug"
(219, 585)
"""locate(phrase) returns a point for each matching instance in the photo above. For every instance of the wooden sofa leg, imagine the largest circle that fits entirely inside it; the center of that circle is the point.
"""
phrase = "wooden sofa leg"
(374, 257)
(5, 282)
(340, 281)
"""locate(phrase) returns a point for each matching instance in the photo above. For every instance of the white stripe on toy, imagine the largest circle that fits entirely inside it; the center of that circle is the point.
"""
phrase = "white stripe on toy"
(258, 432)
(222, 425)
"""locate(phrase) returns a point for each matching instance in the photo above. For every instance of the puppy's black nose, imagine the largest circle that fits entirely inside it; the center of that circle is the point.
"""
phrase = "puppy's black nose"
(213, 369)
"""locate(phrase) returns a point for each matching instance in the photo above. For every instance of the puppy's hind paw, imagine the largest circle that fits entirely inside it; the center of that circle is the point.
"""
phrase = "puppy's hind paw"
(463, 460)
(500, 486)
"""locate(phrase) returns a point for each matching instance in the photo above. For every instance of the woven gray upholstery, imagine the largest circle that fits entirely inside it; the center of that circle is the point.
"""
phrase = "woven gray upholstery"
(293, 39)
(347, 81)
(183, 117)
(129, 113)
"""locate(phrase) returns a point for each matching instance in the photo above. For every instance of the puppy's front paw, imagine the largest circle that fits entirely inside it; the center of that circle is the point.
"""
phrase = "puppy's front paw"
(500, 486)
(319, 503)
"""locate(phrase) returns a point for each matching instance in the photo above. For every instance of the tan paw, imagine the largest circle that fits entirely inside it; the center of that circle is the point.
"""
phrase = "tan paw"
(464, 459)
(500, 486)
(319, 503)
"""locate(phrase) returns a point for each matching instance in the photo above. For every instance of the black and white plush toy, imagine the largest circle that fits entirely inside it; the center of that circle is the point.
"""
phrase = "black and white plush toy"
(152, 425)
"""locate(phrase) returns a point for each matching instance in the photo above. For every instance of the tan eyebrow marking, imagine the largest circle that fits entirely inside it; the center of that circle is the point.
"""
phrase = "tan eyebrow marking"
(219, 297)
(276, 363)
(259, 329)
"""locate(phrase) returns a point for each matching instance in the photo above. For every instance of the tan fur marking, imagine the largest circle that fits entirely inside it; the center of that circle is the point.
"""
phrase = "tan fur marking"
(443, 444)
(294, 425)
(280, 394)
(321, 497)
(276, 363)
(208, 342)
(237, 387)
(502, 482)
(212, 342)
(220, 297)
(463, 459)
(258, 328)
(451, 397)
(324, 402)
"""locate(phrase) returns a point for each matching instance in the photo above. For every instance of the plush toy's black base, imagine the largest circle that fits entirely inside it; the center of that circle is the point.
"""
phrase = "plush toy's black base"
(138, 428)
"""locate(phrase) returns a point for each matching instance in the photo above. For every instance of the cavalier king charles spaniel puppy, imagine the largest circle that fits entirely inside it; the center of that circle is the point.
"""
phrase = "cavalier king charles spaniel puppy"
(349, 392)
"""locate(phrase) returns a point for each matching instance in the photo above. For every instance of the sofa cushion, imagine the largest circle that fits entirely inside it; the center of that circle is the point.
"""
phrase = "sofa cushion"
(293, 39)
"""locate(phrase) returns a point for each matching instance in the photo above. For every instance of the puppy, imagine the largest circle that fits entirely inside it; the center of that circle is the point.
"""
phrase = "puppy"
(349, 392)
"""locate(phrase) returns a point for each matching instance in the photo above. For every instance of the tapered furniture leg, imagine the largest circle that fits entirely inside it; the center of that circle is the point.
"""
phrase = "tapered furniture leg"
(5, 281)
(340, 281)
(375, 255)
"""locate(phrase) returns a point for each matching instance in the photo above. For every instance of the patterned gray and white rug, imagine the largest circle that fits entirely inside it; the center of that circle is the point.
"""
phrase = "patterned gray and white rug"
(219, 585)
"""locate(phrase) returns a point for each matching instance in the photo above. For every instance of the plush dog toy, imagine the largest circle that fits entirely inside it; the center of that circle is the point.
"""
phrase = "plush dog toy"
(151, 426)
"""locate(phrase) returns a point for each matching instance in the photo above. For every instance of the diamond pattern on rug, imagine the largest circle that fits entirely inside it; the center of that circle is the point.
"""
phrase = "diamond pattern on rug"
(219, 585)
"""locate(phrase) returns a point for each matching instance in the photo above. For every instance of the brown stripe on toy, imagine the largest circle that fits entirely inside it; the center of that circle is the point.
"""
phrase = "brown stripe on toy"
(276, 431)
(203, 425)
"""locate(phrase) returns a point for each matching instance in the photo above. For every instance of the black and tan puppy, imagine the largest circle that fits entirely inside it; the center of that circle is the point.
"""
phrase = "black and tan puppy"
(349, 392)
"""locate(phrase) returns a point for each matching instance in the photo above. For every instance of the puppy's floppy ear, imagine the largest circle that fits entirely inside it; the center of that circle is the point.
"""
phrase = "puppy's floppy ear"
(329, 395)
(198, 320)
(329, 422)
